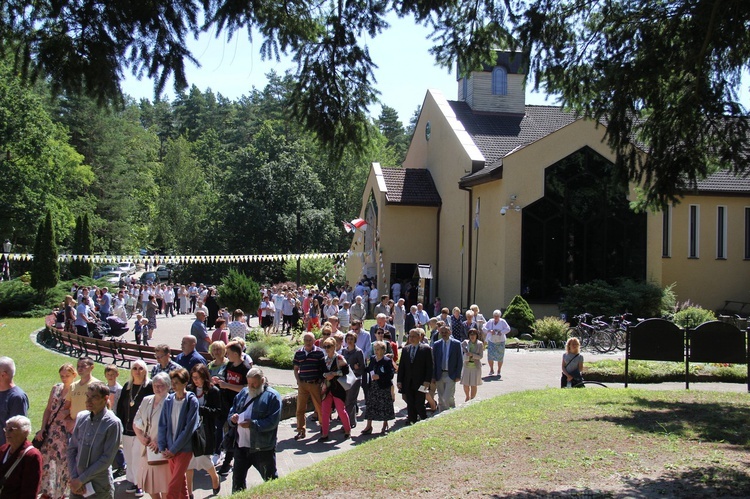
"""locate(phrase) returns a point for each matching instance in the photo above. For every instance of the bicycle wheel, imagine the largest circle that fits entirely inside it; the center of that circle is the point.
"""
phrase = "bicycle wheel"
(581, 334)
(604, 341)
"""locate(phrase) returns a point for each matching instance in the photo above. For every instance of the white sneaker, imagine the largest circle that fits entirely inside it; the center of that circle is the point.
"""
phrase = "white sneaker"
(215, 459)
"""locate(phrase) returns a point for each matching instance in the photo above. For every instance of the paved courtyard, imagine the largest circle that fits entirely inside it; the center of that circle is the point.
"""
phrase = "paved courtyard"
(522, 370)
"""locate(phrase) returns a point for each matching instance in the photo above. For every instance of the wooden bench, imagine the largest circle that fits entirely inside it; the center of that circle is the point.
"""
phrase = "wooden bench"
(120, 352)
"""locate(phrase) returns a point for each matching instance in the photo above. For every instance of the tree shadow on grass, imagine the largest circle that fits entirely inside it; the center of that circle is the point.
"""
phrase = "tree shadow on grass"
(709, 422)
(704, 482)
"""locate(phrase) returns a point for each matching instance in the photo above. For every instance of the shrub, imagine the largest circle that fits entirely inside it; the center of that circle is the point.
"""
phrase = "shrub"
(237, 290)
(642, 299)
(16, 297)
(693, 317)
(257, 349)
(281, 356)
(551, 329)
(519, 315)
(312, 270)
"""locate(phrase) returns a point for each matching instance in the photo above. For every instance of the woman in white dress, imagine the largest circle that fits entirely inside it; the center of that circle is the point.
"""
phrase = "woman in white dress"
(153, 475)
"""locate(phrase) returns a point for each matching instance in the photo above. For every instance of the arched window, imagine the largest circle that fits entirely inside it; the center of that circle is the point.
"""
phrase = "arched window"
(499, 81)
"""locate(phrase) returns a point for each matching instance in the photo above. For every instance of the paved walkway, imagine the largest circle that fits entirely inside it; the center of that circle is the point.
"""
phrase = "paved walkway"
(522, 370)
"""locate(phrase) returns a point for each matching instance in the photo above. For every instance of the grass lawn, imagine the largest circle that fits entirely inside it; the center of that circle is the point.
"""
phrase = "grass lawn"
(559, 443)
(644, 371)
(37, 367)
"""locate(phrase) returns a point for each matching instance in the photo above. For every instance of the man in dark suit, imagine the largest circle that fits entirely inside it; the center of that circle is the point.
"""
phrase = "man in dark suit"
(447, 364)
(415, 372)
(411, 320)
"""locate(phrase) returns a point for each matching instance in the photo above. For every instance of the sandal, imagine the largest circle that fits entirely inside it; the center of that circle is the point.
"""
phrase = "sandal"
(300, 435)
(366, 431)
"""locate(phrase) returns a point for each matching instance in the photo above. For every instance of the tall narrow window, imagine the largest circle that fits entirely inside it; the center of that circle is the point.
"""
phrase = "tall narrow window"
(747, 233)
(721, 232)
(666, 233)
(499, 81)
(694, 231)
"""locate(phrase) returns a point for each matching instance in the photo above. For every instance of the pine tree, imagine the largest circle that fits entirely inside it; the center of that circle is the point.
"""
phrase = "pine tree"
(87, 247)
(75, 266)
(519, 314)
(45, 269)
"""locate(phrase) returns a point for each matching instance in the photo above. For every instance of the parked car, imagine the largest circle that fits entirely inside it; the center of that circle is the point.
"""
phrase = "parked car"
(127, 267)
(104, 270)
(147, 277)
(164, 272)
(114, 277)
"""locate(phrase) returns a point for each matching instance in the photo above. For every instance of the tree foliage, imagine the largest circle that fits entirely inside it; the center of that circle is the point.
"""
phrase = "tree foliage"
(237, 290)
(664, 74)
(46, 269)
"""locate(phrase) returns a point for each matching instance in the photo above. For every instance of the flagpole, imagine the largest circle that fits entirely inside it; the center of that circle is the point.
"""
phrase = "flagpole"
(461, 305)
(476, 253)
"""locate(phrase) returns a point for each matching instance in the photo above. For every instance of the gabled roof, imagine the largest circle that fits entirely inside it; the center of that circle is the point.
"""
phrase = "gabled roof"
(724, 182)
(410, 186)
(497, 134)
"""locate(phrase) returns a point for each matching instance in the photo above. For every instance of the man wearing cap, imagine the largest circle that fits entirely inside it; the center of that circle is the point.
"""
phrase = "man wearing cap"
(256, 413)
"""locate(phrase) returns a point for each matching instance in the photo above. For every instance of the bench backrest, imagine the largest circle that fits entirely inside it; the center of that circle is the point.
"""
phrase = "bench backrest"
(656, 339)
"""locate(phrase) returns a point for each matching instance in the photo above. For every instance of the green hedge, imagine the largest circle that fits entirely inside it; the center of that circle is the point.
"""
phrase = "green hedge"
(641, 298)
(643, 371)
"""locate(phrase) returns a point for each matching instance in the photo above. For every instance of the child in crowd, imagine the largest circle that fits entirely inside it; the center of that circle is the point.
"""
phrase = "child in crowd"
(137, 328)
(145, 331)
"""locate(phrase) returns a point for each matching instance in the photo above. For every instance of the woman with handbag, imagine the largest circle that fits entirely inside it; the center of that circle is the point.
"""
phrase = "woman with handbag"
(572, 365)
(20, 462)
(379, 401)
(209, 398)
(178, 424)
(135, 390)
(52, 439)
(334, 392)
(153, 476)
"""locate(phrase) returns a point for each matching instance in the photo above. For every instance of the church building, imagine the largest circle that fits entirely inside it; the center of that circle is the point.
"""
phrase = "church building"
(497, 198)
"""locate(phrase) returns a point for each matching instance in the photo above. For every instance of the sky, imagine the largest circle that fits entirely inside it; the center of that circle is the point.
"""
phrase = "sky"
(405, 70)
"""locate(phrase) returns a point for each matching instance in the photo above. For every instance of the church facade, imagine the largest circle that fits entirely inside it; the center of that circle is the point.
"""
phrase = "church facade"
(497, 198)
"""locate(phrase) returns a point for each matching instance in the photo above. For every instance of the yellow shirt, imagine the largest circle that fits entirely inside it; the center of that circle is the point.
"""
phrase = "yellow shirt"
(77, 396)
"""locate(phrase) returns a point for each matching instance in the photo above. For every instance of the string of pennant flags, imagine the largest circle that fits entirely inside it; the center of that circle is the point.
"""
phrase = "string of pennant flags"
(186, 259)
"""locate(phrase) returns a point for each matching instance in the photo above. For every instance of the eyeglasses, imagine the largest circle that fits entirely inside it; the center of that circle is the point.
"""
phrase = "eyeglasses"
(138, 369)
(330, 346)
(9, 429)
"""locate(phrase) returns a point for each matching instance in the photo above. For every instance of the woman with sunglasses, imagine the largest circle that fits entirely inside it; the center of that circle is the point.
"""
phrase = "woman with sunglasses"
(131, 396)
(334, 393)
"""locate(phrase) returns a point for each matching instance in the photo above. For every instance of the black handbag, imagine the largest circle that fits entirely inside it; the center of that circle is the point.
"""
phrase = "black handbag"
(199, 440)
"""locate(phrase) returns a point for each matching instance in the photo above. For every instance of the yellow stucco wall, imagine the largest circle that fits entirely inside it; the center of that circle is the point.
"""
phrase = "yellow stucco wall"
(407, 236)
(494, 276)
(706, 280)
(448, 155)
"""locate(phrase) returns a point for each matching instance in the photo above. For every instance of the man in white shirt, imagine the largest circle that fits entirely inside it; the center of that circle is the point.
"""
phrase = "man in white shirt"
(398, 316)
(168, 297)
(374, 296)
(424, 317)
(396, 290)
(344, 316)
(278, 303)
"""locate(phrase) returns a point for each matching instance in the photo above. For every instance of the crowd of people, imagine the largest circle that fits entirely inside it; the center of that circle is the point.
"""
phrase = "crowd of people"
(157, 428)
(146, 428)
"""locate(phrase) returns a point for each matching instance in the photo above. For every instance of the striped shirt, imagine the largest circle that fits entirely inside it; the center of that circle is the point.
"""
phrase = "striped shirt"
(311, 365)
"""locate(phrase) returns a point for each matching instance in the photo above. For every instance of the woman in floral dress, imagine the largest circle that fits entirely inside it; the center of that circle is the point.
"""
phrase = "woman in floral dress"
(55, 448)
